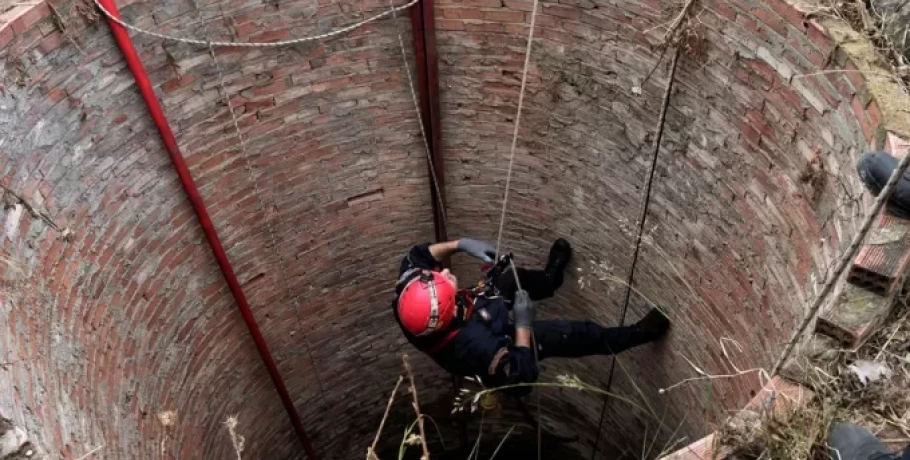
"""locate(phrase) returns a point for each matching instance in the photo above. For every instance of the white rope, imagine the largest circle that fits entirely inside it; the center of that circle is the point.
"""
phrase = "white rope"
(505, 198)
(293, 41)
(423, 134)
(257, 191)
(521, 96)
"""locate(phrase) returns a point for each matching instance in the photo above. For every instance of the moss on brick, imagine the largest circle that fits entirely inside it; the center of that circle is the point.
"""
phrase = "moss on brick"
(855, 312)
(881, 85)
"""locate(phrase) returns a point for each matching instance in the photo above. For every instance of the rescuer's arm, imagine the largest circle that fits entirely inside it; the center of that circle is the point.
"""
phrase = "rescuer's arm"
(523, 311)
(476, 248)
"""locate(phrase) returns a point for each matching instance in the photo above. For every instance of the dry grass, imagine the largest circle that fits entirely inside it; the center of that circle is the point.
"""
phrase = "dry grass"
(882, 406)
(878, 26)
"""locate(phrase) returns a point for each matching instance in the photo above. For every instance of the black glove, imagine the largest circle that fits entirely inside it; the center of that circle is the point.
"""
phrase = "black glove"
(479, 249)
(523, 310)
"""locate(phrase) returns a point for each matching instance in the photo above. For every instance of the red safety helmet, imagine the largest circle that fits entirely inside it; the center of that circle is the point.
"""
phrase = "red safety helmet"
(427, 303)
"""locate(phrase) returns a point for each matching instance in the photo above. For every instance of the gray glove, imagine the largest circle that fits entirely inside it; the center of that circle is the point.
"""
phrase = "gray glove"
(479, 249)
(523, 310)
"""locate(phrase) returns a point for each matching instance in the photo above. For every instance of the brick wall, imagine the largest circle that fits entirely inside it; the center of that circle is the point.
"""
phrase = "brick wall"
(735, 238)
(131, 318)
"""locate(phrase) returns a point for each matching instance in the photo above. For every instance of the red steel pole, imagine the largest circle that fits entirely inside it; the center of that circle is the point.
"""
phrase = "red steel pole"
(423, 25)
(170, 143)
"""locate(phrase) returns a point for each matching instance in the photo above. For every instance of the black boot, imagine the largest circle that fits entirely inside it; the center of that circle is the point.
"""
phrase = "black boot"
(560, 254)
(874, 169)
(652, 326)
(849, 441)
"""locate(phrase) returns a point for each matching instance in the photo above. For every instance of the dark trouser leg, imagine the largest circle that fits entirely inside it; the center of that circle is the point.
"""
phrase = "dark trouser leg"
(573, 339)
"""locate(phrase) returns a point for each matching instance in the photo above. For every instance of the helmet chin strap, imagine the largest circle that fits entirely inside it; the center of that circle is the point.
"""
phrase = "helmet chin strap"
(427, 276)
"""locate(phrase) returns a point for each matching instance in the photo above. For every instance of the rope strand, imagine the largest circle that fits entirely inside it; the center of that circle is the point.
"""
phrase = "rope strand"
(505, 197)
(257, 191)
(646, 201)
(293, 41)
(521, 97)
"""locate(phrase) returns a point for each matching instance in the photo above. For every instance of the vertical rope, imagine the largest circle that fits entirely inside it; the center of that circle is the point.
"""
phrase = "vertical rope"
(521, 97)
(505, 197)
(536, 362)
(646, 201)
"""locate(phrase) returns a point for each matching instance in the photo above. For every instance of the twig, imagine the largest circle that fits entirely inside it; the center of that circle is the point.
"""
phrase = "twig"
(61, 24)
(35, 212)
(672, 447)
(91, 452)
(702, 375)
(671, 32)
(709, 377)
(891, 337)
(423, 436)
(642, 218)
(656, 65)
(476, 447)
(668, 36)
(442, 441)
(502, 442)
(867, 21)
(864, 72)
(371, 453)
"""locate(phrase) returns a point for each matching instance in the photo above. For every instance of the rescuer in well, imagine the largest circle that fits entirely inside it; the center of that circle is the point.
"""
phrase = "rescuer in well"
(485, 330)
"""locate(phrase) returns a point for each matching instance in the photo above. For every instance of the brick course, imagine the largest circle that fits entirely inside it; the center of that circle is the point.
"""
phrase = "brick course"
(132, 318)
(743, 123)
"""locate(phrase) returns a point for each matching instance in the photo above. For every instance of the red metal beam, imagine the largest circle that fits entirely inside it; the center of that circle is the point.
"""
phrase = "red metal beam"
(148, 94)
(423, 25)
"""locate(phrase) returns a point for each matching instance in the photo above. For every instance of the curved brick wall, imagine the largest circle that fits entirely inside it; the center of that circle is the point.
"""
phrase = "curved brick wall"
(130, 318)
(736, 237)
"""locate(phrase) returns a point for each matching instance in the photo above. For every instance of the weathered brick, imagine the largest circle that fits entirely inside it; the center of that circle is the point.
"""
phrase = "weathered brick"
(771, 20)
(332, 175)
(560, 11)
(859, 112)
(177, 83)
(818, 37)
(6, 36)
(29, 16)
(504, 16)
(51, 42)
(787, 11)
